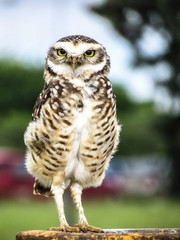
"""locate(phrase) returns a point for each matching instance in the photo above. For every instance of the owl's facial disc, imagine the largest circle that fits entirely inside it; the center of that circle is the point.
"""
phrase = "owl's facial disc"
(75, 60)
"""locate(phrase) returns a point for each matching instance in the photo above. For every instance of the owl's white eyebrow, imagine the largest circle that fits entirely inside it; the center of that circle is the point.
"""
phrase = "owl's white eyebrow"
(72, 49)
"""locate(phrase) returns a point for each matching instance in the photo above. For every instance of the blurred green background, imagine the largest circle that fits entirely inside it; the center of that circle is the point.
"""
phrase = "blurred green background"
(142, 187)
(110, 213)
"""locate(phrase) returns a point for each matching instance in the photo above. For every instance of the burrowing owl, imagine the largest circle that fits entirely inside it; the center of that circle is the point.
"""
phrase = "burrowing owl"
(74, 129)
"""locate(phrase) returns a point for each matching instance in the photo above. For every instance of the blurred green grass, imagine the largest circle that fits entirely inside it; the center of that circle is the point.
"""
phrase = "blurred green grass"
(24, 215)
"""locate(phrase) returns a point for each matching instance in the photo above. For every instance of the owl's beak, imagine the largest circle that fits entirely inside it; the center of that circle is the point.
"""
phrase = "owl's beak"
(74, 63)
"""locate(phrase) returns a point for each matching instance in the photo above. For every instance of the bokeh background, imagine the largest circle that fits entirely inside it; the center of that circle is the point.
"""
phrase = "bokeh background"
(142, 184)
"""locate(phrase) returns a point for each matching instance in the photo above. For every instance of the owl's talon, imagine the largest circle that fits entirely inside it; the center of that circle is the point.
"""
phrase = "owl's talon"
(83, 230)
(64, 229)
(88, 228)
(59, 229)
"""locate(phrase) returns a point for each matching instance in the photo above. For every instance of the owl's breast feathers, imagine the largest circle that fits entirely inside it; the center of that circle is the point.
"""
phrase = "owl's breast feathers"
(74, 130)
(56, 91)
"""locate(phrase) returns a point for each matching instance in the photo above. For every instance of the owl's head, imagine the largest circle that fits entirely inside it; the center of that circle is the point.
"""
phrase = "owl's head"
(77, 56)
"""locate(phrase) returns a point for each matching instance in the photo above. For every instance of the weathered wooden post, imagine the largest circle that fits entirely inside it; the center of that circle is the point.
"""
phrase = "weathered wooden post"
(109, 234)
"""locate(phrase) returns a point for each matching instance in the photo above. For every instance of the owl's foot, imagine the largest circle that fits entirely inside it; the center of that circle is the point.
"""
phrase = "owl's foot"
(87, 228)
(64, 228)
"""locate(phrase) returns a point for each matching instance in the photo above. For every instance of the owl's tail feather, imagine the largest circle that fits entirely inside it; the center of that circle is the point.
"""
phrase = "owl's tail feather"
(39, 189)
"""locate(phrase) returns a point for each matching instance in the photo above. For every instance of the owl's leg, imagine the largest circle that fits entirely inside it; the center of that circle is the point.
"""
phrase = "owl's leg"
(58, 192)
(76, 192)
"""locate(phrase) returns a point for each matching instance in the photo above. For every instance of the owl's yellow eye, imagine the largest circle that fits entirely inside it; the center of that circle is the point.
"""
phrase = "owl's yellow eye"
(89, 53)
(61, 52)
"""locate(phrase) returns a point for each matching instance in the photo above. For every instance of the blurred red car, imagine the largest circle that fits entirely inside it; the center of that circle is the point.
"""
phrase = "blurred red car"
(14, 180)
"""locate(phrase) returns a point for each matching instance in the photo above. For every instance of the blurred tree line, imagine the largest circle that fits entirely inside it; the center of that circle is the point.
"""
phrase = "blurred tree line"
(132, 19)
(20, 86)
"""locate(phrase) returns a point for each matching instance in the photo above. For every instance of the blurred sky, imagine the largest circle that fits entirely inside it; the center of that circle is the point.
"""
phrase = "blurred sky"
(29, 27)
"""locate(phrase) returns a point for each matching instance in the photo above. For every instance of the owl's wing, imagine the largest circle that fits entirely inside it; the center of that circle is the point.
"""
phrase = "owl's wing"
(51, 90)
(41, 100)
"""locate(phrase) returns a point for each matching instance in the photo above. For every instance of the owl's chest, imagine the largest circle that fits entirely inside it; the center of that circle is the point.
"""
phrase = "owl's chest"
(75, 114)
(82, 114)
(71, 112)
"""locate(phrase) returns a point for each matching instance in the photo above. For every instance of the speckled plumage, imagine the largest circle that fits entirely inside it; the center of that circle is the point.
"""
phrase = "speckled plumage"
(74, 129)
